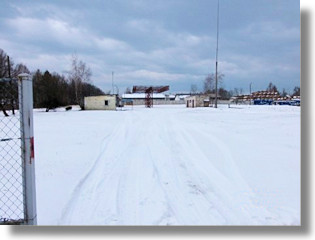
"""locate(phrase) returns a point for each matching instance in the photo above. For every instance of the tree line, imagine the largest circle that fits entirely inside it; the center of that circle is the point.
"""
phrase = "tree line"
(209, 88)
(50, 89)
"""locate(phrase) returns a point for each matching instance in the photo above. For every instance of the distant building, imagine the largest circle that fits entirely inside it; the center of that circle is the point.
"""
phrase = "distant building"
(288, 100)
(158, 98)
(258, 98)
(266, 98)
(201, 100)
(265, 95)
(103, 102)
(181, 96)
(197, 101)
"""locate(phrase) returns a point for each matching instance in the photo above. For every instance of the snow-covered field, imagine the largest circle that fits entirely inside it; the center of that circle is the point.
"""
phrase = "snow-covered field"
(169, 165)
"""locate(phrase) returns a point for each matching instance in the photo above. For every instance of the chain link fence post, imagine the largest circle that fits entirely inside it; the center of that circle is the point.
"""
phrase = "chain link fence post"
(25, 85)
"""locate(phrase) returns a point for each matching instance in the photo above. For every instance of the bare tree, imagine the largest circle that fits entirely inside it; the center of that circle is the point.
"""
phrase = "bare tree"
(3, 98)
(236, 92)
(284, 93)
(3, 64)
(3, 72)
(297, 91)
(79, 74)
(7, 68)
(8, 95)
(272, 88)
(128, 90)
(193, 88)
(20, 68)
(209, 82)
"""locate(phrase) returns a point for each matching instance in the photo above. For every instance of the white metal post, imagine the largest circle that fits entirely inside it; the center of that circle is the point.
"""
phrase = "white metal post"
(27, 138)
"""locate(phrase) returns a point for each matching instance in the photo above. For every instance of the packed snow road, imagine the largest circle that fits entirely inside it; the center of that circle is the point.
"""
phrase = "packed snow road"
(169, 166)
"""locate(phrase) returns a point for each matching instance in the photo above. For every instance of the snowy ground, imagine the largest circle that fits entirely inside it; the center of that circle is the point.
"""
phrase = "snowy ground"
(169, 166)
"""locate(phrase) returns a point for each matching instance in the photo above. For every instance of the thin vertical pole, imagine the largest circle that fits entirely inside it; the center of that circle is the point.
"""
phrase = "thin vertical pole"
(11, 84)
(250, 94)
(216, 61)
(112, 82)
(27, 138)
(9, 67)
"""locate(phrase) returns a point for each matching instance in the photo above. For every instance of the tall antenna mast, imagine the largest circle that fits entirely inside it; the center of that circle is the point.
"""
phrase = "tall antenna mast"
(216, 60)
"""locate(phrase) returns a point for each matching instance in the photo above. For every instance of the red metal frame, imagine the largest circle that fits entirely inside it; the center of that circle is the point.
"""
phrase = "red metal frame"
(149, 90)
(149, 97)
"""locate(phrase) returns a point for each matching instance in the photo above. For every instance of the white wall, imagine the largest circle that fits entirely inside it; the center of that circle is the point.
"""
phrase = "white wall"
(196, 101)
(191, 101)
(98, 102)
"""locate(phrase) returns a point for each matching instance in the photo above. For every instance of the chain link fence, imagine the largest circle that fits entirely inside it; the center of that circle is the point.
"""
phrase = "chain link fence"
(13, 204)
(11, 182)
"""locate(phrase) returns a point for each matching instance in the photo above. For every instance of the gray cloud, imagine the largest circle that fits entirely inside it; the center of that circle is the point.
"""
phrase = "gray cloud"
(158, 42)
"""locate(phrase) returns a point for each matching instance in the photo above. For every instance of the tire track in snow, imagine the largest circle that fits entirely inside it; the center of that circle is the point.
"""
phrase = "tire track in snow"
(199, 180)
(155, 179)
(122, 189)
(189, 208)
(140, 197)
(169, 212)
(80, 188)
(227, 182)
(121, 184)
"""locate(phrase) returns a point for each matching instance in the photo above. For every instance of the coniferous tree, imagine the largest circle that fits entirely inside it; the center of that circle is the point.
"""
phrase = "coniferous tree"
(50, 90)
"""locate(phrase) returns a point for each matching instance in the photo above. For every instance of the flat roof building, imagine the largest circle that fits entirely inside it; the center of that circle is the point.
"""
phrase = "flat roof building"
(103, 102)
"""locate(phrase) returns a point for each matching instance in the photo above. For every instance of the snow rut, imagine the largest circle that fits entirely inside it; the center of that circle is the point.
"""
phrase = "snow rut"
(121, 187)
(161, 176)
(84, 197)
(214, 175)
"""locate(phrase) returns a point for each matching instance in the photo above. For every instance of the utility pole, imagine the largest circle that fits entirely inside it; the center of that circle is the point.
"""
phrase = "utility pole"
(12, 94)
(216, 61)
(250, 94)
(9, 67)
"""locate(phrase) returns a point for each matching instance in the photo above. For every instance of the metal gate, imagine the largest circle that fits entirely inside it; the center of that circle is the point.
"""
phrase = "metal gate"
(17, 176)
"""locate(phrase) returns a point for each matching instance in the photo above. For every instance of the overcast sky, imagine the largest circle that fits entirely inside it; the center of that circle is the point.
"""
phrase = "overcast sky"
(157, 42)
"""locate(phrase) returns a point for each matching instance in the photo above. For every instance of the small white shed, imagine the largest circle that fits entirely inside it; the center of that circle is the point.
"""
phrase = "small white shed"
(104, 102)
(197, 101)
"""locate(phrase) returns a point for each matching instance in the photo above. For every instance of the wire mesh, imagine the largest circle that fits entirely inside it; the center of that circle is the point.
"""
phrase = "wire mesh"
(11, 164)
